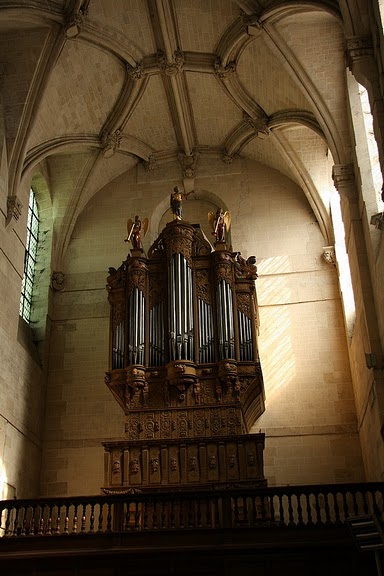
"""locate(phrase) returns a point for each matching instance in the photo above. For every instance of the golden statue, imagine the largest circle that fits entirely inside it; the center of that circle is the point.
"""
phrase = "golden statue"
(176, 202)
(136, 230)
(220, 224)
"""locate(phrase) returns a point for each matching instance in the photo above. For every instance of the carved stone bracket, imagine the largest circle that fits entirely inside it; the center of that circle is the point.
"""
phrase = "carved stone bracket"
(227, 158)
(170, 68)
(136, 72)
(344, 179)
(224, 71)
(57, 281)
(377, 220)
(150, 164)
(110, 143)
(258, 125)
(250, 20)
(188, 164)
(343, 173)
(358, 48)
(14, 207)
(74, 22)
(329, 255)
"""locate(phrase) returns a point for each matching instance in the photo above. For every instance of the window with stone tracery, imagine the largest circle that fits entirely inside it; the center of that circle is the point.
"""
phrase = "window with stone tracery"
(29, 258)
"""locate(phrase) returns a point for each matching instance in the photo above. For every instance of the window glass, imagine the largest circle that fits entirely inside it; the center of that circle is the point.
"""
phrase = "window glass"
(29, 258)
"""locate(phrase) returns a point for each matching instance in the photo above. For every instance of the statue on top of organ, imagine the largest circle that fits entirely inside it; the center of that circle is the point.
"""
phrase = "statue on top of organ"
(184, 362)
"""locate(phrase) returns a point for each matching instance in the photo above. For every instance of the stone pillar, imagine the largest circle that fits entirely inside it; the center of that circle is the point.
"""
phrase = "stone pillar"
(362, 63)
(344, 179)
(371, 355)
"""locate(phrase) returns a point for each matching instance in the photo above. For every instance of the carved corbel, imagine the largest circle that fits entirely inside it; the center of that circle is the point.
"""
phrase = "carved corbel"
(170, 68)
(150, 164)
(224, 71)
(377, 220)
(227, 158)
(57, 281)
(188, 164)
(75, 21)
(258, 125)
(329, 255)
(344, 180)
(358, 48)
(14, 207)
(250, 19)
(136, 72)
(110, 143)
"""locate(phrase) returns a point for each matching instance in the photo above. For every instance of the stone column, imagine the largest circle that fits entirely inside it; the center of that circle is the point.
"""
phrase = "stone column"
(366, 318)
(362, 63)
(344, 179)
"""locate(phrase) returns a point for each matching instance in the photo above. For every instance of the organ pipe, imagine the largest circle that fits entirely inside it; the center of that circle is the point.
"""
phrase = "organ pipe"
(180, 309)
(182, 304)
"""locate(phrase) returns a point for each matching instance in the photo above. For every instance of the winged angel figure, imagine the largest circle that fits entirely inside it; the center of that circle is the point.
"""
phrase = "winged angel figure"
(220, 224)
(136, 230)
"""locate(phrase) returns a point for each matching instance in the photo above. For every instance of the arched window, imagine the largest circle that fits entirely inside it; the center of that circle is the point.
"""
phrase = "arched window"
(29, 258)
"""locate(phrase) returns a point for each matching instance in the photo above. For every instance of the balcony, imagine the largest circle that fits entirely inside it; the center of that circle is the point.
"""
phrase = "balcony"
(306, 525)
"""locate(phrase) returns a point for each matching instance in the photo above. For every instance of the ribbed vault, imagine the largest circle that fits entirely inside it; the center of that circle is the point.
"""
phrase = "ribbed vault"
(110, 85)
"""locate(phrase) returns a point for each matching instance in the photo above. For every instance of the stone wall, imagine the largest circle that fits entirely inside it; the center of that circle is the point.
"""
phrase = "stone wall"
(309, 422)
(22, 391)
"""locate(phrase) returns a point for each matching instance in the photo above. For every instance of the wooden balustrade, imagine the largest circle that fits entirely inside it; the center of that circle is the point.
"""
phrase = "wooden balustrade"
(291, 506)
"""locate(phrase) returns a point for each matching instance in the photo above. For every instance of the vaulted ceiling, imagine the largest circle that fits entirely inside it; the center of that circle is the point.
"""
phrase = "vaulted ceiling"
(90, 88)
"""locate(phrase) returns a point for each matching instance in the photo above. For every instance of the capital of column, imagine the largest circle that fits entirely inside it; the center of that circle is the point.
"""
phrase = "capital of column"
(57, 281)
(343, 176)
(329, 255)
(359, 47)
(14, 207)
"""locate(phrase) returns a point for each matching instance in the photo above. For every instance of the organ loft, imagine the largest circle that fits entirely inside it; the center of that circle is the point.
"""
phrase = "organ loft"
(184, 362)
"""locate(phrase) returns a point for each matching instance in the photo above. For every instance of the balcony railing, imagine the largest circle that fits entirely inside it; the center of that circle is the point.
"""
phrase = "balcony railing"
(291, 506)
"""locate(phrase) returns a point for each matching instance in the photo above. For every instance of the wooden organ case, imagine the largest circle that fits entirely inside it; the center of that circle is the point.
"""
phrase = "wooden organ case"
(184, 366)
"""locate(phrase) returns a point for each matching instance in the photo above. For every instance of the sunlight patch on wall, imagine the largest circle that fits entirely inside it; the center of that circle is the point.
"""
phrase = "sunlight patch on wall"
(371, 142)
(347, 296)
(275, 343)
(276, 352)
(274, 265)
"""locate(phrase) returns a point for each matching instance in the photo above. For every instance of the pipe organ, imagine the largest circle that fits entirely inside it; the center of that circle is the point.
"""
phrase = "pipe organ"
(184, 365)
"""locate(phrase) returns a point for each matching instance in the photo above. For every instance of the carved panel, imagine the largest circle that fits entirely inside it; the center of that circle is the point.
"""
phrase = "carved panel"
(208, 395)
(182, 424)
(137, 275)
(203, 286)
(166, 425)
(182, 462)
(157, 291)
(178, 240)
(118, 314)
(132, 427)
(233, 421)
(244, 304)
(215, 422)
(149, 426)
(198, 423)
(223, 267)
